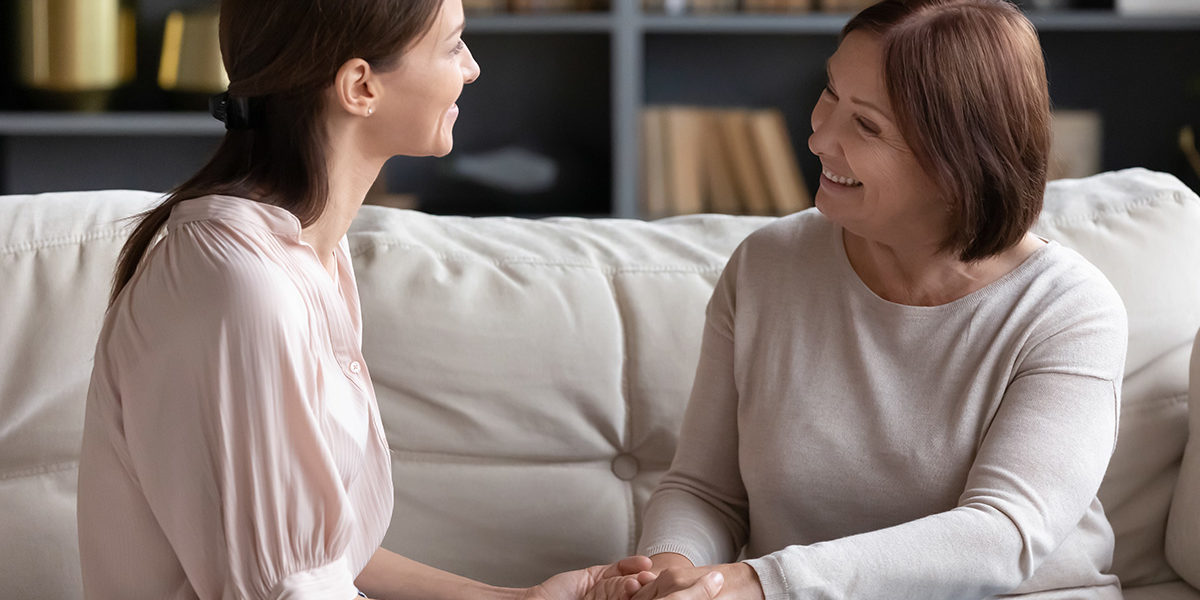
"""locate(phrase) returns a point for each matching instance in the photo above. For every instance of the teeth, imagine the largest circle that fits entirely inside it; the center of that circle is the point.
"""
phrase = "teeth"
(850, 181)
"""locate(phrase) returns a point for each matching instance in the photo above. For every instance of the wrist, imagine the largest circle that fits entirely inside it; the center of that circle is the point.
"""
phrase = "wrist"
(669, 560)
(741, 582)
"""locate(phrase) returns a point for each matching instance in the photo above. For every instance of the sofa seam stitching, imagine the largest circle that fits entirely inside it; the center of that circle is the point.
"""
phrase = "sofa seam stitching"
(1176, 196)
(39, 470)
(1142, 406)
(36, 245)
(360, 251)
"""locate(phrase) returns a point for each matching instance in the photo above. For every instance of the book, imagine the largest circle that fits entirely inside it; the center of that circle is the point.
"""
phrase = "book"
(720, 192)
(1076, 142)
(684, 142)
(844, 6)
(653, 163)
(777, 159)
(747, 176)
(484, 7)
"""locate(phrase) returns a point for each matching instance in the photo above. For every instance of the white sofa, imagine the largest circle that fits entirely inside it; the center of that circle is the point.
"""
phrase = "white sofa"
(532, 374)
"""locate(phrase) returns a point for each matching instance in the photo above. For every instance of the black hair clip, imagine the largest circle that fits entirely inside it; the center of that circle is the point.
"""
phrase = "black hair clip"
(236, 112)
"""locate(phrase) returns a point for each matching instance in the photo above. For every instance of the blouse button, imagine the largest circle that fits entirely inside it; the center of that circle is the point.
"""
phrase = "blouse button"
(355, 367)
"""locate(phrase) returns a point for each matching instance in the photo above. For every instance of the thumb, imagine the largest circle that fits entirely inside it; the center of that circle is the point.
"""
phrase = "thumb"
(712, 584)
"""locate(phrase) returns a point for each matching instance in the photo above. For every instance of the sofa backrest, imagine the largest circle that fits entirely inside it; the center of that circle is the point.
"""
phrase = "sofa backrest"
(532, 374)
(1142, 229)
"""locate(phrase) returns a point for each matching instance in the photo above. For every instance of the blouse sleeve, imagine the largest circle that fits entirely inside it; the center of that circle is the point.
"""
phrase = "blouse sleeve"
(699, 509)
(1034, 477)
(224, 432)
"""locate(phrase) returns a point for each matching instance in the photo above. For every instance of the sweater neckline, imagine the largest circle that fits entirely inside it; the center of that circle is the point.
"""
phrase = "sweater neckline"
(859, 287)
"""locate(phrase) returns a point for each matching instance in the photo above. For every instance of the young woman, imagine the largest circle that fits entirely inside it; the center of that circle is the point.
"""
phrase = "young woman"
(232, 445)
(905, 394)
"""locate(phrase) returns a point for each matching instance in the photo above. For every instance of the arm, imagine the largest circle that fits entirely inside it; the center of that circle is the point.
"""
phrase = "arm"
(390, 576)
(224, 437)
(1033, 479)
(699, 511)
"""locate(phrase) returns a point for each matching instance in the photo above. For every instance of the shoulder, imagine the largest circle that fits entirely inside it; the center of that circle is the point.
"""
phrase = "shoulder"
(1066, 283)
(207, 274)
(798, 239)
(804, 228)
(1071, 311)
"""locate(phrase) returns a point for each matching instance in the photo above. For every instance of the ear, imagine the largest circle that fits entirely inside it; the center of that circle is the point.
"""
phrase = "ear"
(356, 87)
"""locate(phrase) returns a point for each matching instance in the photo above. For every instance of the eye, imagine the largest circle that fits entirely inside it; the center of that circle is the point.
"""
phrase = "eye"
(459, 47)
(866, 126)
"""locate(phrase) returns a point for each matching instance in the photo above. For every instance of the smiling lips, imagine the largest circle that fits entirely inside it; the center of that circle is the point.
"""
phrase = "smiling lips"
(838, 179)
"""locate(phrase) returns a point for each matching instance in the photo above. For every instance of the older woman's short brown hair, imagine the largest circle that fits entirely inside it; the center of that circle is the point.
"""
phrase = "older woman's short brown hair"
(967, 83)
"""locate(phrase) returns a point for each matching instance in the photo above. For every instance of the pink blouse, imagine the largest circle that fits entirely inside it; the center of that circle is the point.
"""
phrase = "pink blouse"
(232, 446)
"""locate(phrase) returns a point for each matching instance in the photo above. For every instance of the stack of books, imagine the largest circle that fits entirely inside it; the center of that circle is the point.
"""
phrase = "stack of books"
(733, 161)
(754, 6)
(483, 7)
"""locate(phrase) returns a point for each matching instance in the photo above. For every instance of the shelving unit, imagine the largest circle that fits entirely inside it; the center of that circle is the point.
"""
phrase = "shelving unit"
(571, 86)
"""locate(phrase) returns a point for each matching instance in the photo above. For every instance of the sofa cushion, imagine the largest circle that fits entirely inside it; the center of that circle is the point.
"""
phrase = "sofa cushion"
(56, 260)
(1141, 229)
(531, 376)
(1183, 526)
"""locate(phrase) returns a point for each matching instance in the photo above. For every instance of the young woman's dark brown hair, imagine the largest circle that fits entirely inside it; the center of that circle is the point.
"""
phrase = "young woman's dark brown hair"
(281, 57)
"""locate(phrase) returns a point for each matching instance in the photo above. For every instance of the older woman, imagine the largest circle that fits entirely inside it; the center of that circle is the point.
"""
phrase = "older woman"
(904, 393)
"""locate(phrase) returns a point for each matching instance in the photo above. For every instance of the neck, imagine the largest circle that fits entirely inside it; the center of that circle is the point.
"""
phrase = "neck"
(922, 275)
(350, 176)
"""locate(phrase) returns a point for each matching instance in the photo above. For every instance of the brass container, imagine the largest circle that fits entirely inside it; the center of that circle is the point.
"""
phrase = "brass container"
(191, 64)
(74, 53)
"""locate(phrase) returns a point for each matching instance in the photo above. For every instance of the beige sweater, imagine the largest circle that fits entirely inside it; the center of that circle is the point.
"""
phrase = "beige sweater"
(856, 448)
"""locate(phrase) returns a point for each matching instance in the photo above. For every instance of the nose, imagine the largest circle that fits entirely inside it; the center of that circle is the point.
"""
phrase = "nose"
(470, 69)
(822, 142)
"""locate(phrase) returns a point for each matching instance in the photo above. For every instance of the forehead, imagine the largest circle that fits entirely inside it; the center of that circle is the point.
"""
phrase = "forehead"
(858, 61)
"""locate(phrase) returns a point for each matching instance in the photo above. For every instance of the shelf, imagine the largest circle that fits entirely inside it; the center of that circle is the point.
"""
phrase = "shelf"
(746, 23)
(1101, 20)
(109, 124)
(601, 22)
(816, 23)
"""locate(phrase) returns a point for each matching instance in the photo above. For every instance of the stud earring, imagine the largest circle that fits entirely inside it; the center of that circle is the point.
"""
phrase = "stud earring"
(370, 110)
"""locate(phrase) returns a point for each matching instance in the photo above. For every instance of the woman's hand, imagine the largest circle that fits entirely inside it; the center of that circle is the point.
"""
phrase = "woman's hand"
(736, 580)
(618, 581)
(621, 581)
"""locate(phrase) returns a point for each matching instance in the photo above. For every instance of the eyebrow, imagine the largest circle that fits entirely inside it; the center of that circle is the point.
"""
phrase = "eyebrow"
(457, 30)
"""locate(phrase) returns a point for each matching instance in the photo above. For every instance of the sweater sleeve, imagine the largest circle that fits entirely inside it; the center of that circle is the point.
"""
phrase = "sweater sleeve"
(1035, 475)
(226, 437)
(699, 509)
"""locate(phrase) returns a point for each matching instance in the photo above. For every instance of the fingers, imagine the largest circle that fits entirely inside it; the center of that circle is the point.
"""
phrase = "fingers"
(614, 588)
(628, 566)
(705, 588)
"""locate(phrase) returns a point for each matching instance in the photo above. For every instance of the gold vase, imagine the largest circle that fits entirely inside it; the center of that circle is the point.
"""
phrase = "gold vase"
(191, 68)
(74, 53)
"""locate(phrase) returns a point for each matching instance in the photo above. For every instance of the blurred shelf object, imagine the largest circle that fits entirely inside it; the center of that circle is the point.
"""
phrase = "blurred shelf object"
(109, 124)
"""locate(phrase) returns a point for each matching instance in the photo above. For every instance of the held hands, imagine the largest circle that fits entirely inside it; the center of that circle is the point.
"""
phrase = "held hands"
(686, 583)
(623, 581)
